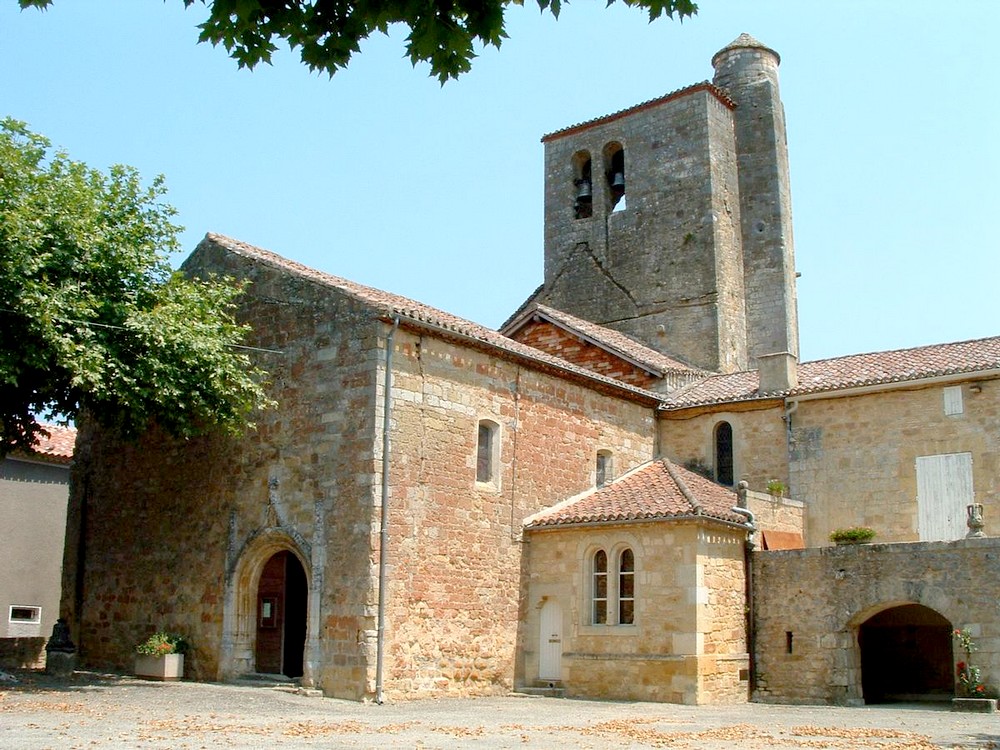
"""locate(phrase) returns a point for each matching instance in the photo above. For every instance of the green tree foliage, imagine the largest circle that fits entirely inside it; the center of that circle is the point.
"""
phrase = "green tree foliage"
(91, 315)
(443, 33)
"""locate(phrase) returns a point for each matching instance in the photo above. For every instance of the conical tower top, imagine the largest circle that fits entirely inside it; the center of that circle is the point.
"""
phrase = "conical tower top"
(743, 41)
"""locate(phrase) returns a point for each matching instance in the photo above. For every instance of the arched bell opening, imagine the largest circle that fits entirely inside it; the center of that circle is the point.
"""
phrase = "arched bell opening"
(906, 655)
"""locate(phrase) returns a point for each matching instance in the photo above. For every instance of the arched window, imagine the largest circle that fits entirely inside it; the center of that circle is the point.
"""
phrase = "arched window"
(724, 453)
(626, 587)
(599, 594)
(614, 173)
(604, 471)
(487, 451)
(583, 186)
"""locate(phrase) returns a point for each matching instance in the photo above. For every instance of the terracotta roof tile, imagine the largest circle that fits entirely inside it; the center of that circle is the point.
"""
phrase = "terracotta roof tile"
(57, 447)
(390, 305)
(719, 93)
(658, 490)
(853, 371)
(616, 342)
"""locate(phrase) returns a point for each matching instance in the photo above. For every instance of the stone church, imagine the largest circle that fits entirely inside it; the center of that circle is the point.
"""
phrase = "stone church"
(626, 492)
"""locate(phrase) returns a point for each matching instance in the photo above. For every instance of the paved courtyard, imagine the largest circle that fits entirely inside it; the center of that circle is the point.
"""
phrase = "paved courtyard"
(109, 711)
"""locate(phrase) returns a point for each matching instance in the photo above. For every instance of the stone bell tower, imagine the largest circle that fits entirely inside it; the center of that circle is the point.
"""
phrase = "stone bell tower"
(648, 212)
(748, 72)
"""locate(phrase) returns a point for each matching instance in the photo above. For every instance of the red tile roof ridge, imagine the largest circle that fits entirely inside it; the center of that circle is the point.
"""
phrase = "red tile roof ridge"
(655, 490)
(719, 93)
(895, 366)
(390, 305)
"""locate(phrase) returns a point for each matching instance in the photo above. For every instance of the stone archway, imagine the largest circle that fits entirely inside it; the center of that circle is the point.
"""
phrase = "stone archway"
(243, 613)
(906, 655)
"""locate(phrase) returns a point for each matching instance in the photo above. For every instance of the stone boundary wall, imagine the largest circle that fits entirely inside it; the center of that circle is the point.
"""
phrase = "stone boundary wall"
(822, 596)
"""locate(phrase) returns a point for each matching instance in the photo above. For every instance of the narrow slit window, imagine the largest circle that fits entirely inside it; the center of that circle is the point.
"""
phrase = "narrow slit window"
(604, 470)
(626, 587)
(724, 453)
(599, 609)
(486, 458)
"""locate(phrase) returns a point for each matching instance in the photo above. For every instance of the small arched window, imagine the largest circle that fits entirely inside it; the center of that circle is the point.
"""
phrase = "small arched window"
(599, 596)
(487, 453)
(604, 470)
(583, 186)
(626, 587)
(724, 453)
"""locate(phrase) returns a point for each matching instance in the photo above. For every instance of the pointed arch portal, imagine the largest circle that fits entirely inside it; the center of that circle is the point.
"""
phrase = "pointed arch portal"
(906, 655)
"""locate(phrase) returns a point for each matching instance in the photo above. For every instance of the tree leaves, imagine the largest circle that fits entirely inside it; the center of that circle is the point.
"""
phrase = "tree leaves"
(443, 33)
(91, 315)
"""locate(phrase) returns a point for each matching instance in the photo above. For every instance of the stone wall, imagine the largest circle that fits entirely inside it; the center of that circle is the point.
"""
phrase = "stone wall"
(760, 443)
(854, 458)
(172, 534)
(456, 543)
(810, 605)
(687, 644)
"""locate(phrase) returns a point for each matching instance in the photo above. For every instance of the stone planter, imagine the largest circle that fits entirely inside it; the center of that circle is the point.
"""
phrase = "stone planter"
(974, 705)
(164, 668)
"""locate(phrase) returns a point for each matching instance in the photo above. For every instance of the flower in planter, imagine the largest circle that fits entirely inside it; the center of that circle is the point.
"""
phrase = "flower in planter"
(853, 535)
(162, 643)
(970, 684)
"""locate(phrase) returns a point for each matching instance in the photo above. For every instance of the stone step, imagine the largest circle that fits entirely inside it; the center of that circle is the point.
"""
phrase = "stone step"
(543, 688)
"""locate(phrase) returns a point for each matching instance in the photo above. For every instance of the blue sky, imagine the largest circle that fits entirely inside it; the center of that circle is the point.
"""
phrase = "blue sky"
(382, 176)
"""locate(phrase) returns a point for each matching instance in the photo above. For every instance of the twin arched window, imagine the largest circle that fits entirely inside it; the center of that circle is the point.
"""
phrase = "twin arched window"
(613, 157)
(613, 590)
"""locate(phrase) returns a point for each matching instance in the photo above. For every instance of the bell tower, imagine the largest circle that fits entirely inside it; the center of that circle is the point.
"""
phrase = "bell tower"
(645, 225)
(748, 72)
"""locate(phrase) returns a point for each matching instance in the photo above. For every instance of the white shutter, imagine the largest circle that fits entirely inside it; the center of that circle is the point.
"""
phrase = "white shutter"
(944, 489)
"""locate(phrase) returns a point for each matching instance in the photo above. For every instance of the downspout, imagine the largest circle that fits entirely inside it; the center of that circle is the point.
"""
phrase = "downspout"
(383, 550)
(751, 526)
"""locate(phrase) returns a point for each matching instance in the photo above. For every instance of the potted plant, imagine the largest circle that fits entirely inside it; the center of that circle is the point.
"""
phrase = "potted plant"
(853, 535)
(776, 488)
(161, 656)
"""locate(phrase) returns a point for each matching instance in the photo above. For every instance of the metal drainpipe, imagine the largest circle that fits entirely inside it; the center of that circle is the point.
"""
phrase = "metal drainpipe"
(748, 566)
(383, 551)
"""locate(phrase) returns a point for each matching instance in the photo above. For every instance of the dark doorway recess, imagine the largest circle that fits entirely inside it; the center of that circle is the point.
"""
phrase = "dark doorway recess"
(906, 655)
(281, 616)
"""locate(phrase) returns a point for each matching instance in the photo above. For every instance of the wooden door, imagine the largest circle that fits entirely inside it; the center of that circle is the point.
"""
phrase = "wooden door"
(550, 642)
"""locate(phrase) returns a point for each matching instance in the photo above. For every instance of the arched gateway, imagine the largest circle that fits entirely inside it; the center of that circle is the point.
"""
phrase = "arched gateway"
(265, 622)
(906, 654)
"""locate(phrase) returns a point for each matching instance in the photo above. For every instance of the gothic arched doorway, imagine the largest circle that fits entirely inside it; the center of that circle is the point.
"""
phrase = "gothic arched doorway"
(906, 654)
(281, 616)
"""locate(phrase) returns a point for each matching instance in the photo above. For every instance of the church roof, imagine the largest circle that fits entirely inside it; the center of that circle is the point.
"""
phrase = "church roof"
(56, 447)
(853, 371)
(418, 314)
(711, 88)
(657, 490)
(611, 340)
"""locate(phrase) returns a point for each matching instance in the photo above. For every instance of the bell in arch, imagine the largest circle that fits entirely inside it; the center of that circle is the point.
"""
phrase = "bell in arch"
(584, 193)
(618, 184)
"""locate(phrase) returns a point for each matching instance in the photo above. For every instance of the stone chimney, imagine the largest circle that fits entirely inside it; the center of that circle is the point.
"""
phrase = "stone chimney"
(778, 372)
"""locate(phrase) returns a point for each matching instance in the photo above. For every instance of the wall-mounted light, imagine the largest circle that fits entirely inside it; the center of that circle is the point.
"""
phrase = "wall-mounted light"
(975, 388)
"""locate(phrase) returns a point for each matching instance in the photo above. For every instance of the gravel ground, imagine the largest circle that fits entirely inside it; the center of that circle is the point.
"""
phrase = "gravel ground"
(112, 711)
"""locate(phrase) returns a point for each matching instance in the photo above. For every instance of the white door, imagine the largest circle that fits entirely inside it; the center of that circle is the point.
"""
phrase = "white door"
(550, 642)
(944, 489)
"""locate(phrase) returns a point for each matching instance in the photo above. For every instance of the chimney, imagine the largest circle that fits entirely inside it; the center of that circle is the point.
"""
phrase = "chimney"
(778, 372)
